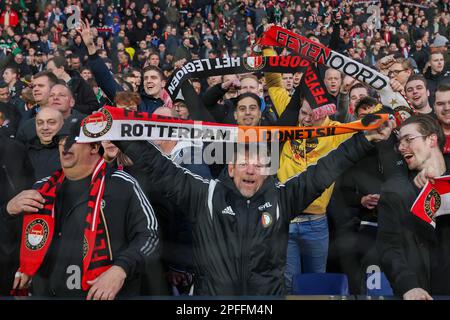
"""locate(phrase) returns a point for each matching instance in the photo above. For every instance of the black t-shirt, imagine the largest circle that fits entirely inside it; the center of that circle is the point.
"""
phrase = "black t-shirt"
(440, 257)
(69, 195)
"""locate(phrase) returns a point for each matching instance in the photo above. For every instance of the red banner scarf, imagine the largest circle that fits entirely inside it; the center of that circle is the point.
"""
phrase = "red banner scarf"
(315, 52)
(38, 229)
(315, 92)
(112, 123)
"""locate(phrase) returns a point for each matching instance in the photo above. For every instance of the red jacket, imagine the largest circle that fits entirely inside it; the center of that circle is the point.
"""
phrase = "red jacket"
(13, 18)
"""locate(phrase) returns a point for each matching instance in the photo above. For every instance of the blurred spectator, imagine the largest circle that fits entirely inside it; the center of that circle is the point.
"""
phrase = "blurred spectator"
(43, 150)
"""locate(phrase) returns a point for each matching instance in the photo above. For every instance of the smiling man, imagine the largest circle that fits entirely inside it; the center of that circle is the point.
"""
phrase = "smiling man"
(413, 254)
(417, 92)
(43, 151)
(248, 109)
(442, 111)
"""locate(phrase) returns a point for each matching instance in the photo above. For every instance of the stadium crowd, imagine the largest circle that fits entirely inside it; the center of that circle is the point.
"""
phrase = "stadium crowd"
(196, 228)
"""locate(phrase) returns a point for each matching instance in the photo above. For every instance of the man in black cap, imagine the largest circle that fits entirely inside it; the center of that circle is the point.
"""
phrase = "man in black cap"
(101, 228)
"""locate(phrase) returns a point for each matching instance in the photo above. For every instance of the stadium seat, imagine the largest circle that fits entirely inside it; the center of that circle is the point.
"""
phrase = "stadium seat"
(320, 284)
(384, 288)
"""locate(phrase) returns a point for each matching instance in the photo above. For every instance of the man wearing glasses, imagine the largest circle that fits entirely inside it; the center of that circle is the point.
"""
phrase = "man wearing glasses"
(413, 254)
(399, 72)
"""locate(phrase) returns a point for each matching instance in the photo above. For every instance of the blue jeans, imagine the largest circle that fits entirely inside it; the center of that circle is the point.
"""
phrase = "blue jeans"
(307, 249)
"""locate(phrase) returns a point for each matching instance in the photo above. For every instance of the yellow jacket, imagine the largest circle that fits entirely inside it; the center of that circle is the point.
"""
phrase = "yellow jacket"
(297, 155)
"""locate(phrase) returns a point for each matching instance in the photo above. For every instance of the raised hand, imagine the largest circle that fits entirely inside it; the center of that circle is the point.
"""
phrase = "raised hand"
(86, 35)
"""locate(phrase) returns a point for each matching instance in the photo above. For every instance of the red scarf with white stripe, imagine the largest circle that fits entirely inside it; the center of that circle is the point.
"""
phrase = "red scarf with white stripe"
(38, 229)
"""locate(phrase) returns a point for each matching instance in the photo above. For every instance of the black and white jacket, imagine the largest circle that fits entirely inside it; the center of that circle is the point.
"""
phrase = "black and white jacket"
(240, 243)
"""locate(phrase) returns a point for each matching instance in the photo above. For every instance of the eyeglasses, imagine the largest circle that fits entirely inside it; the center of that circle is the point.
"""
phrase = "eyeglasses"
(406, 141)
(395, 72)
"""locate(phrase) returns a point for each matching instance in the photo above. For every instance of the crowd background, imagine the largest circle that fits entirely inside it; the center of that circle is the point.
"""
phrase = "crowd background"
(128, 37)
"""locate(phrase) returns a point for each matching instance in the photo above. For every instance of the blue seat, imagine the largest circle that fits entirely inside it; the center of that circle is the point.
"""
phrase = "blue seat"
(320, 284)
(382, 288)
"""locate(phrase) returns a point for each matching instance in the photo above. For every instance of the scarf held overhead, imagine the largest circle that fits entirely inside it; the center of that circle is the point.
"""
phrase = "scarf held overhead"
(277, 36)
(121, 124)
(204, 68)
(38, 229)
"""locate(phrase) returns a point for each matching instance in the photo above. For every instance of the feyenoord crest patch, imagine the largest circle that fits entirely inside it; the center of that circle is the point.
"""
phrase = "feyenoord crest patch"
(266, 219)
(254, 63)
(98, 124)
(432, 203)
(36, 234)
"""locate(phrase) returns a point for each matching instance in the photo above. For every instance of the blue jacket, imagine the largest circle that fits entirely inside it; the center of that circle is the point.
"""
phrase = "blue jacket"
(109, 86)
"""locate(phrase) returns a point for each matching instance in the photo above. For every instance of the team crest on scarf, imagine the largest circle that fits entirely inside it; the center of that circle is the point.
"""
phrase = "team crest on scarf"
(432, 203)
(254, 63)
(36, 234)
(98, 125)
(266, 219)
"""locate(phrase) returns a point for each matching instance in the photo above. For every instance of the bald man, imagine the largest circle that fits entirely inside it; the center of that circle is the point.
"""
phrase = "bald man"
(42, 150)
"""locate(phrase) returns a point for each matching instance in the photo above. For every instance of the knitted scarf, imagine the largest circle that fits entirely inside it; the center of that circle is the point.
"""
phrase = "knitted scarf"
(38, 229)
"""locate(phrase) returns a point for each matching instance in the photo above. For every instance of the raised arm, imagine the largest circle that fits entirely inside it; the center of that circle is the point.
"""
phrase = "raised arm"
(181, 186)
(99, 69)
(197, 110)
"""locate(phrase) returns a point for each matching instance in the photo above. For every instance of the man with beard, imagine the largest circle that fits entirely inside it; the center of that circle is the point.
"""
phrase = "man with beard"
(413, 254)
(437, 74)
(241, 220)
(417, 93)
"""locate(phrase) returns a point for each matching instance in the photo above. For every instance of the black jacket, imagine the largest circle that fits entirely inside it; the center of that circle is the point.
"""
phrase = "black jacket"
(44, 158)
(407, 245)
(132, 229)
(434, 80)
(85, 99)
(239, 243)
(224, 113)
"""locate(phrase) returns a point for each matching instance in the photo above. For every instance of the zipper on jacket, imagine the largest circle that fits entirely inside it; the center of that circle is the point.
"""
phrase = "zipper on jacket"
(11, 184)
(245, 250)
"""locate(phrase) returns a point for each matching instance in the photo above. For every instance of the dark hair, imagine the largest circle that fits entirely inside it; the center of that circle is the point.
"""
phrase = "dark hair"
(443, 87)
(73, 56)
(417, 76)
(85, 68)
(50, 76)
(356, 86)
(249, 95)
(59, 62)
(154, 68)
(427, 126)
(13, 70)
(64, 84)
(365, 102)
